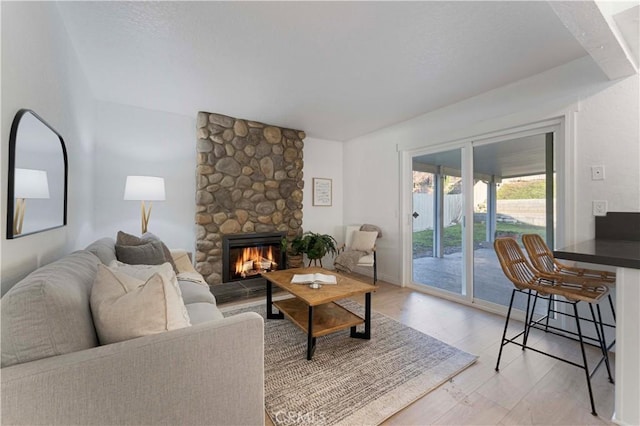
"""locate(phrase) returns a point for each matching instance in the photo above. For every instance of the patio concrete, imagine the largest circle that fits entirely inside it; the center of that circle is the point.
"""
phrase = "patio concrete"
(490, 284)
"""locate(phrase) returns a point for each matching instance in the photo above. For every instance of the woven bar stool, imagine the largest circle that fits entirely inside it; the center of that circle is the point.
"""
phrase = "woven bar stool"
(567, 289)
(543, 260)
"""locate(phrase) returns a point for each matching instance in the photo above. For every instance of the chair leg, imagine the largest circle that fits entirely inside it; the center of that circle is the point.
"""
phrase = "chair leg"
(526, 322)
(504, 333)
(605, 349)
(530, 320)
(584, 359)
(375, 269)
(613, 309)
(601, 342)
(551, 302)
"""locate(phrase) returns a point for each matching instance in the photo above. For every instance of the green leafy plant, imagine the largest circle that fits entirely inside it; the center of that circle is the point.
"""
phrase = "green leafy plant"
(294, 247)
(316, 246)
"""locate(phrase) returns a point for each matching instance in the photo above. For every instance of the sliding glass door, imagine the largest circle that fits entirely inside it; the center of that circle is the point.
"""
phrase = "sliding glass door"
(512, 196)
(464, 198)
(437, 197)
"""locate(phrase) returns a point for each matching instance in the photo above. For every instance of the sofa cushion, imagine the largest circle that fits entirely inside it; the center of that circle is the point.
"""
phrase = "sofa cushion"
(125, 239)
(150, 253)
(47, 313)
(193, 292)
(105, 249)
(203, 312)
(125, 307)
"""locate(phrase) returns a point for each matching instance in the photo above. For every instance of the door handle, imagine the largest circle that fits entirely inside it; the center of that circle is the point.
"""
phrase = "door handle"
(415, 215)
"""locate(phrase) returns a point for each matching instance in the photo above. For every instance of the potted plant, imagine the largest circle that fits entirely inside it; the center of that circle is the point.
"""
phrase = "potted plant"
(295, 251)
(316, 246)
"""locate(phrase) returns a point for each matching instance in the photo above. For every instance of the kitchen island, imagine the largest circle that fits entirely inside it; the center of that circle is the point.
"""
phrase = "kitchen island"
(617, 243)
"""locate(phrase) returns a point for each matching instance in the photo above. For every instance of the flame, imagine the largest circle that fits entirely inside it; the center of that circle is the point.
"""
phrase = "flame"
(255, 258)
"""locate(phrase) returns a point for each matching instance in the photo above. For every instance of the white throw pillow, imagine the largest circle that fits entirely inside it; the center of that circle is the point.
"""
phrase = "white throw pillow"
(144, 272)
(363, 241)
(141, 272)
(125, 307)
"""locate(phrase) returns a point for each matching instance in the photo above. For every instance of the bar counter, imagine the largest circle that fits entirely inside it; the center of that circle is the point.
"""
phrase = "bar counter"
(617, 243)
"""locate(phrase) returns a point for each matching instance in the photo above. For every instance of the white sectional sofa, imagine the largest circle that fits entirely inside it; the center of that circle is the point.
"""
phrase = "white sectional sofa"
(55, 372)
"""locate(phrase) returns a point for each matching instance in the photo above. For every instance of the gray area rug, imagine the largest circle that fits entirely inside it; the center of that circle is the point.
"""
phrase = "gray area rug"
(351, 381)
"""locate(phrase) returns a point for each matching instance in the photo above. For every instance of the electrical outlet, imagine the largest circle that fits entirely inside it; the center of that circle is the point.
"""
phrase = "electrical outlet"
(597, 172)
(599, 207)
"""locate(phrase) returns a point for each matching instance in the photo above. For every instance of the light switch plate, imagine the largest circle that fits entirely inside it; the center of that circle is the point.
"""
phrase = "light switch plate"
(597, 172)
(599, 207)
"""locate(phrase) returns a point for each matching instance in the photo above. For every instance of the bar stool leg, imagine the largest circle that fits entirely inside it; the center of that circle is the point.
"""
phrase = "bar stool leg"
(584, 358)
(551, 300)
(530, 319)
(605, 349)
(504, 333)
(613, 309)
(526, 321)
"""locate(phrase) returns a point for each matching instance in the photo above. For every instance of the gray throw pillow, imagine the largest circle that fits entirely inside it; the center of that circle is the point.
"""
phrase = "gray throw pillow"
(150, 253)
(125, 239)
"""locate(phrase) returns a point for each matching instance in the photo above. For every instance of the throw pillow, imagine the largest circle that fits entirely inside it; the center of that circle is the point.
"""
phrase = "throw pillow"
(124, 307)
(150, 253)
(141, 271)
(363, 241)
(125, 239)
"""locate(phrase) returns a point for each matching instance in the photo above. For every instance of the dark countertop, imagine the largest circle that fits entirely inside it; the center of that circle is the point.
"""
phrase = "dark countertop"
(624, 253)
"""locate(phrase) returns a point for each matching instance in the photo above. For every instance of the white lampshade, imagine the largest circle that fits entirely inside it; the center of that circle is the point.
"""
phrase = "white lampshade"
(29, 183)
(144, 188)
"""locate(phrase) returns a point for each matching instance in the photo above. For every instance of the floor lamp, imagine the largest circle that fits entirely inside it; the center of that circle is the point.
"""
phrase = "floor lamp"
(144, 188)
(29, 184)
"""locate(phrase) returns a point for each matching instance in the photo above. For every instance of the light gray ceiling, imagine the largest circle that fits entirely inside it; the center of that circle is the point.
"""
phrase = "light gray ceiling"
(334, 69)
(512, 158)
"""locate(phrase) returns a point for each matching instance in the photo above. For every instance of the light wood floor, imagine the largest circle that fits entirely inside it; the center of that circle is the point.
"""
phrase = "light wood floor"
(529, 389)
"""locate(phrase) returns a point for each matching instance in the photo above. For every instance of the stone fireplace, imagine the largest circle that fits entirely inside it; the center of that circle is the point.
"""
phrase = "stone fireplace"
(249, 181)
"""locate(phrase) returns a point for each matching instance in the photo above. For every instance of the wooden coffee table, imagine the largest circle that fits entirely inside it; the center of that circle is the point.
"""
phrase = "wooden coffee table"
(314, 310)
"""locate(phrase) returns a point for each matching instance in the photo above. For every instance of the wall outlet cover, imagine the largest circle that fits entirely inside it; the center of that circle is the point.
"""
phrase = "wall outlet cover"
(597, 172)
(599, 207)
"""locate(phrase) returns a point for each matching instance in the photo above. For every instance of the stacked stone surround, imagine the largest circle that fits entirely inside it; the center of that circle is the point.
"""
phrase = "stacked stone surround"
(249, 179)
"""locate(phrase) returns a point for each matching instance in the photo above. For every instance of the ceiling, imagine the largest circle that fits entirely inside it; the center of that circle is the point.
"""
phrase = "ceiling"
(512, 158)
(336, 70)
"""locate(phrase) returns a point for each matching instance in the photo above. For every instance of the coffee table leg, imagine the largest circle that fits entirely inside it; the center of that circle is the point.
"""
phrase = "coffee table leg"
(311, 341)
(366, 334)
(270, 313)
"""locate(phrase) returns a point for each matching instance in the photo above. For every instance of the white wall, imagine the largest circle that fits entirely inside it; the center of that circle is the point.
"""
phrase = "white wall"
(323, 159)
(606, 132)
(136, 141)
(40, 71)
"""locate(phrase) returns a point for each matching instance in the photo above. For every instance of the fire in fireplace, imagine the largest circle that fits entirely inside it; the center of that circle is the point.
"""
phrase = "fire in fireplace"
(245, 256)
(251, 261)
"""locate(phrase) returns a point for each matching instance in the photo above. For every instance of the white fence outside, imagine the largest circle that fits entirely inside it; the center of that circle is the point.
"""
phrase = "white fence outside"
(423, 205)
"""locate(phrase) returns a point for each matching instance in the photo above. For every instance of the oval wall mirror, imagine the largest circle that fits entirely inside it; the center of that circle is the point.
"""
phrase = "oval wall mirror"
(37, 187)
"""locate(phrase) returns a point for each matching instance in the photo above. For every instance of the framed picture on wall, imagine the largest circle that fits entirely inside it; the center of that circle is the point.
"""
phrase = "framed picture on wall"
(322, 192)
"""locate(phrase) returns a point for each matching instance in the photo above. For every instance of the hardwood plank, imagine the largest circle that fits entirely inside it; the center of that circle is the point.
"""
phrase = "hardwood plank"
(473, 410)
(327, 318)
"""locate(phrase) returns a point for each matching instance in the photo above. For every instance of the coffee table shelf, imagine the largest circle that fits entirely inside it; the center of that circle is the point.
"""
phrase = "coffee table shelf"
(314, 310)
(327, 318)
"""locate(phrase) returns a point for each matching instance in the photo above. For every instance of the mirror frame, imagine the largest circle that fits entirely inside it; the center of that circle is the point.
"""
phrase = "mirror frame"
(12, 168)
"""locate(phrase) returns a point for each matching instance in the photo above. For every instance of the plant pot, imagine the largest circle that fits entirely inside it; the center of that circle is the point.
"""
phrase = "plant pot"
(294, 261)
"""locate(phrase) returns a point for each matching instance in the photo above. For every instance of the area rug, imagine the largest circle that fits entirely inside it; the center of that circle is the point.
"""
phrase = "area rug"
(351, 381)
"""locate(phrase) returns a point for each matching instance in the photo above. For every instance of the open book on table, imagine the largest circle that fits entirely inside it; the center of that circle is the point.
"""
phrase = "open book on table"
(311, 278)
